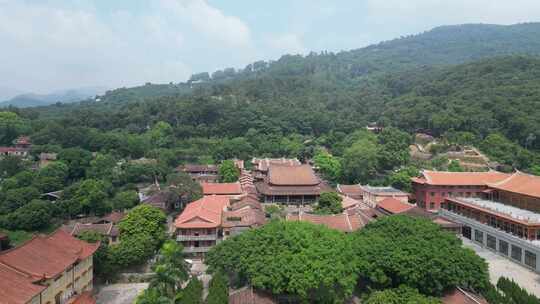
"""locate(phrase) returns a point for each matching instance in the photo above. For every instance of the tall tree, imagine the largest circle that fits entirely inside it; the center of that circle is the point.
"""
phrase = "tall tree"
(218, 290)
(228, 172)
(360, 161)
(329, 203)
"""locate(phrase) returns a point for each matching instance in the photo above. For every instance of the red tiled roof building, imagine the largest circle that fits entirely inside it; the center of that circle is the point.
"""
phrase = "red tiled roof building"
(46, 269)
(290, 185)
(433, 187)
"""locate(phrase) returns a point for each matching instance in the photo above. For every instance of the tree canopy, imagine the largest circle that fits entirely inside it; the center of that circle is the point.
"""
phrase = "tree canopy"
(299, 259)
(228, 172)
(329, 203)
(401, 250)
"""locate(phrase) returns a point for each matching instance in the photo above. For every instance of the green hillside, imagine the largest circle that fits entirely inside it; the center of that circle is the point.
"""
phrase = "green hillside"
(324, 97)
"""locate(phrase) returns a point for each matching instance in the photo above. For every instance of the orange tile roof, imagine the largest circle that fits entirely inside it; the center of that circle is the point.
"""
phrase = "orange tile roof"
(244, 217)
(460, 296)
(16, 287)
(247, 295)
(42, 257)
(221, 188)
(203, 213)
(47, 256)
(520, 183)
(114, 217)
(301, 175)
(345, 222)
(84, 298)
(353, 191)
(348, 202)
(394, 206)
(442, 178)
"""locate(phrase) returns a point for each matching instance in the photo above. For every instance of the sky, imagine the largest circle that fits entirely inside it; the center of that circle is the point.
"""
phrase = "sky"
(50, 45)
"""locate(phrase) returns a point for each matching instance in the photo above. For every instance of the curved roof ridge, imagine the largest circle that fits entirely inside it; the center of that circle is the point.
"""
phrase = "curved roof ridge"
(512, 176)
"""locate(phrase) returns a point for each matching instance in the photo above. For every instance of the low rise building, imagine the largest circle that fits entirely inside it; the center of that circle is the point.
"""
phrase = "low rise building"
(462, 296)
(262, 165)
(108, 230)
(201, 173)
(345, 222)
(432, 188)
(371, 195)
(243, 214)
(46, 158)
(209, 220)
(230, 189)
(21, 148)
(296, 185)
(57, 268)
(198, 227)
(392, 206)
(507, 230)
(520, 190)
(352, 191)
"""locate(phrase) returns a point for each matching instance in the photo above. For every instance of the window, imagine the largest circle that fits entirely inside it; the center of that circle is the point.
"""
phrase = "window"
(516, 253)
(432, 205)
(443, 194)
(432, 193)
(443, 205)
(479, 236)
(530, 259)
(491, 242)
(503, 247)
(538, 234)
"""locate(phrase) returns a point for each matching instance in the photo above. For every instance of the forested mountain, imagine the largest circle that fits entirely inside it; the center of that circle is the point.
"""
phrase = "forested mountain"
(65, 96)
(445, 45)
(280, 108)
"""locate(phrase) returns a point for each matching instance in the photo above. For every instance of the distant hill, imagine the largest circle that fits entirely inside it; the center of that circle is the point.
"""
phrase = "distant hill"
(445, 45)
(8, 92)
(441, 46)
(66, 96)
(477, 78)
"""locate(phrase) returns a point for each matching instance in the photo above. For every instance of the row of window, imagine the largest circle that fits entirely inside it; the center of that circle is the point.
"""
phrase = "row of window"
(495, 222)
(458, 194)
(515, 252)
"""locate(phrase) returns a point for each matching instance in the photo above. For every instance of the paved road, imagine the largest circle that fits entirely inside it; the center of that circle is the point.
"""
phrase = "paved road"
(120, 293)
(501, 266)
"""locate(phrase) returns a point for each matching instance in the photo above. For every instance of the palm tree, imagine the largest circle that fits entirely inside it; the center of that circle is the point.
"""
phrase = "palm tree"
(170, 268)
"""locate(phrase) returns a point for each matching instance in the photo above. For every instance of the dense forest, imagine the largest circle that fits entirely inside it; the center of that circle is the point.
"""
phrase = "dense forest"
(467, 85)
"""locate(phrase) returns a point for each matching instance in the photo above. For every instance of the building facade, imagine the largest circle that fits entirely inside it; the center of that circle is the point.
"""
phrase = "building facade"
(504, 229)
(431, 189)
(207, 221)
(201, 173)
(371, 196)
(53, 269)
(291, 185)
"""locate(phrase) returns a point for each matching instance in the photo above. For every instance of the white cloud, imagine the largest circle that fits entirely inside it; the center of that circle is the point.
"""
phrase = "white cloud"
(57, 44)
(287, 44)
(47, 47)
(211, 21)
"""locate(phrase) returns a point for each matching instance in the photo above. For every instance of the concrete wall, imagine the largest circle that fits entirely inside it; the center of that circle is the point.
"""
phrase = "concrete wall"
(500, 237)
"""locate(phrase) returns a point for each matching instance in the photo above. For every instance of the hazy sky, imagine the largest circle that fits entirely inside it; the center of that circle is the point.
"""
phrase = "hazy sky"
(46, 45)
